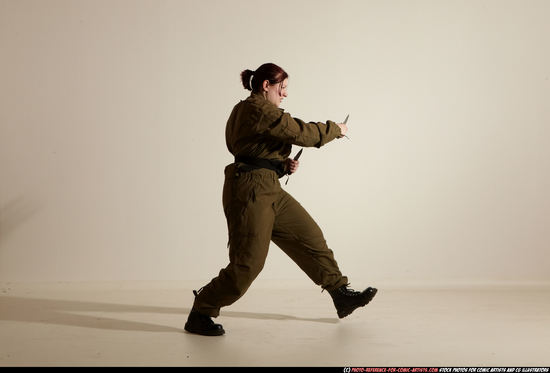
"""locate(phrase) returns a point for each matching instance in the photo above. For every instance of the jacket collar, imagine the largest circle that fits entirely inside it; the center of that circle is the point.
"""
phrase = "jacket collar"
(260, 99)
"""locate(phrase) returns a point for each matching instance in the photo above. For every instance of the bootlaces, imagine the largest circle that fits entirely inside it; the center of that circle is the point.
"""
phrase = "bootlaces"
(348, 291)
(207, 319)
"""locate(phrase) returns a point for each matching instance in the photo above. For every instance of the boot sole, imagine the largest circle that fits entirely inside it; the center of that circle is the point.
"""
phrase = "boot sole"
(210, 333)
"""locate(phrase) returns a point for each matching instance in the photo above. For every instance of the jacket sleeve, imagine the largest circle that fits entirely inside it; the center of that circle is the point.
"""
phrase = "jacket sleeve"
(284, 127)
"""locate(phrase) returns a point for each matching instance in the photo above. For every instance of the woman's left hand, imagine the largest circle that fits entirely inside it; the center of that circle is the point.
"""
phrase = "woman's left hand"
(292, 165)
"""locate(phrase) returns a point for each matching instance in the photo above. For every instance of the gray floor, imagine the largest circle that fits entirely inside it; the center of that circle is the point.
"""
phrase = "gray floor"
(140, 324)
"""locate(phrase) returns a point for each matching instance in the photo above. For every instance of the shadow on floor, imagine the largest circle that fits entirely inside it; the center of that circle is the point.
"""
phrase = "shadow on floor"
(66, 312)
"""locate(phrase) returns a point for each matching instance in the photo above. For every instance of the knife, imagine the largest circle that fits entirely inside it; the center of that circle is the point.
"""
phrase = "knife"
(345, 122)
(296, 157)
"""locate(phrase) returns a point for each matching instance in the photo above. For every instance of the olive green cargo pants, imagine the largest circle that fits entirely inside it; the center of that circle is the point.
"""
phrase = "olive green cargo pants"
(258, 211)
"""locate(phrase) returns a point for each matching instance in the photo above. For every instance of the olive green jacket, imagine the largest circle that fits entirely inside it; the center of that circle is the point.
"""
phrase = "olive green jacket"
(257, 128)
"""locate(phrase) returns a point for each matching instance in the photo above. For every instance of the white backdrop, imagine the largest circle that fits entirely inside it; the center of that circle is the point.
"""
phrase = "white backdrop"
(112, 141)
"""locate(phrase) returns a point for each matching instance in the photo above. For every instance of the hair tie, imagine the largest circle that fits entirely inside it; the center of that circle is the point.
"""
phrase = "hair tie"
(250, 82)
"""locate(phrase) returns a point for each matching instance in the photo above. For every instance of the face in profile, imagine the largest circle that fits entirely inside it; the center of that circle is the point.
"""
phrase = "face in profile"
(275, 93)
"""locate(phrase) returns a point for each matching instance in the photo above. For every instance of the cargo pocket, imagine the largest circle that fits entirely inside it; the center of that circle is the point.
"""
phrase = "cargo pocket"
(238, 201)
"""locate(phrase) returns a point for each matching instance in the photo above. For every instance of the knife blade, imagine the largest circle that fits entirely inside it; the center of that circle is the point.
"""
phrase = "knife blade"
(297, 156)
(345, 122)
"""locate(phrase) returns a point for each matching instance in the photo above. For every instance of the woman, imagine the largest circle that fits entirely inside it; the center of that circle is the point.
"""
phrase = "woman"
(260, 136)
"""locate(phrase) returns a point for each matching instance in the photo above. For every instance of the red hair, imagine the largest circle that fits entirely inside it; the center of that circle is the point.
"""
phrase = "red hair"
(268, 71)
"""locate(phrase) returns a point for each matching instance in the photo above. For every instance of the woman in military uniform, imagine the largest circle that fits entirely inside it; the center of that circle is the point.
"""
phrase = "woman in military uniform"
(260, 135)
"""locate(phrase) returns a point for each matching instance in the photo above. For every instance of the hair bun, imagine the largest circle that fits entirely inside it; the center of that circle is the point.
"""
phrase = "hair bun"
(246, 78)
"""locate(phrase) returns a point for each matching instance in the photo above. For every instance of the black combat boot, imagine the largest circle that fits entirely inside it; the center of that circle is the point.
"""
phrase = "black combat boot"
(347, 300)
(202, 324)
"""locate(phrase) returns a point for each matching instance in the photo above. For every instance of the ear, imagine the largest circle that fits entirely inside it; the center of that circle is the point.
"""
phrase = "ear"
(265, 84)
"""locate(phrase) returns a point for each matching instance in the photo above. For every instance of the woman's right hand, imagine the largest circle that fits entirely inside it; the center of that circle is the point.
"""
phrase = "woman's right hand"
(343, 129)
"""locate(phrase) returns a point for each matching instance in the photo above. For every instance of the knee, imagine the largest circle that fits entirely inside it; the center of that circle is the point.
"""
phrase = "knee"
(248, 273)
(242, 277)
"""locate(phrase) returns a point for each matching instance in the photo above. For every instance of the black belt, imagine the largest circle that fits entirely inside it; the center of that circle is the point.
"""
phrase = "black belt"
(251, 163)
